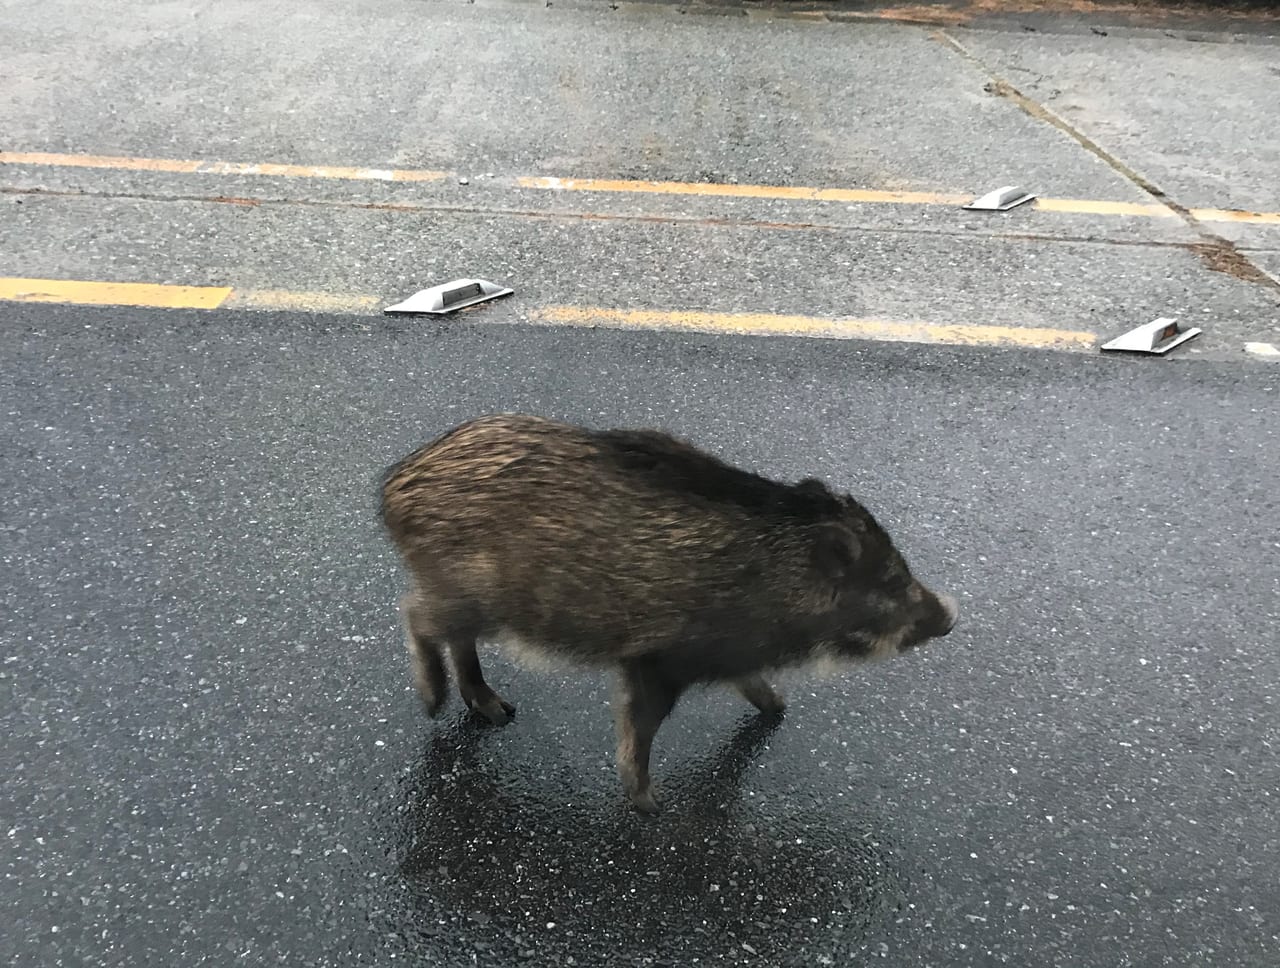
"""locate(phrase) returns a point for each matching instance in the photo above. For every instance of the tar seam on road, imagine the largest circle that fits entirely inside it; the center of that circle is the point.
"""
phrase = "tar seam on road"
(1073, 206)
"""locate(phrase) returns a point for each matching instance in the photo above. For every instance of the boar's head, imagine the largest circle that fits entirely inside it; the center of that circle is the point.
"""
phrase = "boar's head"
(877, 607)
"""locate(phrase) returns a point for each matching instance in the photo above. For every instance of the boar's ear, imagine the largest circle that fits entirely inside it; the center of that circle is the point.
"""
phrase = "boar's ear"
(835, 554)
(812, 487)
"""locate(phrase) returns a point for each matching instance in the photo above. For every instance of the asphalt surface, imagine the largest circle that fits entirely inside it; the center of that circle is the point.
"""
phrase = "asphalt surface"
(213, 754)
(1204, 143)
(897, 274)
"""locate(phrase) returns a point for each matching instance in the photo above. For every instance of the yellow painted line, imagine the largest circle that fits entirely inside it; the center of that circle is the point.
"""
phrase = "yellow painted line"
(112, 293)
(853, 196)
(312, 302)
(1088, 206)
(1235, 215)
(1072, 206)
(124, 163)
(46, 159)
(753, 324)
(781, 325)
(741, 191)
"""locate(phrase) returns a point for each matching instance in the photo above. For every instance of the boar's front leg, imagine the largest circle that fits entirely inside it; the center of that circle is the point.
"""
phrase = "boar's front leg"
(475, 691)
(645, 697)
(429, 674)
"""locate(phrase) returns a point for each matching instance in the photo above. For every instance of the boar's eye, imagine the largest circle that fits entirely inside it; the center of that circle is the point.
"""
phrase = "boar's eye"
(897, 583)
(835, 552)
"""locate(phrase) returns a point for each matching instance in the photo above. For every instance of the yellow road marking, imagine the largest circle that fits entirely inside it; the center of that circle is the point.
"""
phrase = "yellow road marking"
(742, 191)
(1235, 215)
(312, 302)
(1089, 206)
(112, 293)
(756, 324)
(770, 324)
(49, 160)
(862, 196)
(1074, 206)
(120, 163)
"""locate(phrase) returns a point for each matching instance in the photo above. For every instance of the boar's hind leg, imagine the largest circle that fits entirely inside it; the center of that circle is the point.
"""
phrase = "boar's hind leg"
(645, 697)
(429, 674)
(475, 691)
(760, 694)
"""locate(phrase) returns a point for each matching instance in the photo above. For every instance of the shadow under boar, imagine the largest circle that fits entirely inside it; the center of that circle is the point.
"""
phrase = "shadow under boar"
(635, 550)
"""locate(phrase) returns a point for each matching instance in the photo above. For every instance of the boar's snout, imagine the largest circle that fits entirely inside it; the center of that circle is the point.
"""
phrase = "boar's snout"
(950, 612)
(936, 619)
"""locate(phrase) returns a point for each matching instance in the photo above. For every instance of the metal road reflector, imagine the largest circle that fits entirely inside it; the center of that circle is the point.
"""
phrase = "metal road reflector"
(1000, 200)
(449, 296)
(1158, 337)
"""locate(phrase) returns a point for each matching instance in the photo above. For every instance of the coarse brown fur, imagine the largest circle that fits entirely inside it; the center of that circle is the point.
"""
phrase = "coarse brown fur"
(632, 549)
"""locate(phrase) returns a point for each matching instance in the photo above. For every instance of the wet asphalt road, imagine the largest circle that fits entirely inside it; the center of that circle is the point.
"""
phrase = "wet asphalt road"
(213, 755)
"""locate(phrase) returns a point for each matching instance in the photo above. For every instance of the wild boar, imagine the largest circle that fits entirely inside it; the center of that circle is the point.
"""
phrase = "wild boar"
(635, 550)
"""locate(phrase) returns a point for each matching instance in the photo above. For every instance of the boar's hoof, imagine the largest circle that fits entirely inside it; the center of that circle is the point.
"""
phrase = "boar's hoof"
(773, 716)
(493, 708)
(643, 800)
(433, 704)
(761, 695)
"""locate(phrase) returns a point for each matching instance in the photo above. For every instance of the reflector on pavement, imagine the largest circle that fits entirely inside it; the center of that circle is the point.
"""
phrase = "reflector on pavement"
(1000, 200)
(1158, 337)
(449, 296)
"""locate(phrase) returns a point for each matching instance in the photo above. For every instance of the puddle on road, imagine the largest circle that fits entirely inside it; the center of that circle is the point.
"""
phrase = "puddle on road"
(498, 871)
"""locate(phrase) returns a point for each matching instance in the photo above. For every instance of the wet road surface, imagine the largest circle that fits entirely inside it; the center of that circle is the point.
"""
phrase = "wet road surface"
(213, 754)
